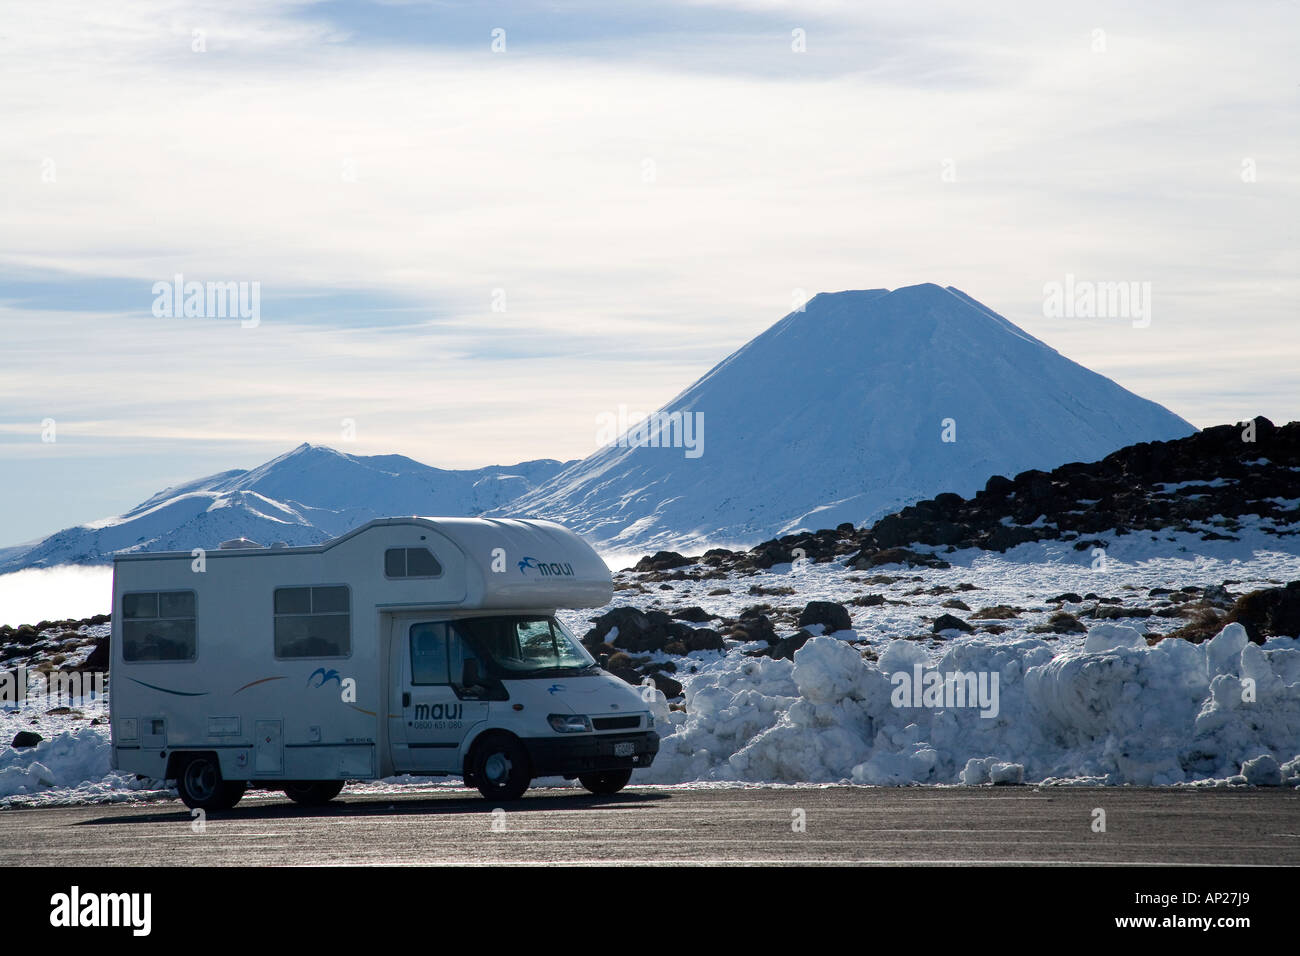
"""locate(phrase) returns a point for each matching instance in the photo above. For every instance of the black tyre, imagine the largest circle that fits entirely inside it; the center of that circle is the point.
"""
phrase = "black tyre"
(313, 793)
(607, 781)
(201, 786)
(501, 768)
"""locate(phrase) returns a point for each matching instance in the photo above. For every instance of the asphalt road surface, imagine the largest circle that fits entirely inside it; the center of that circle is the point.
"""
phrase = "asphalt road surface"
(842, 825)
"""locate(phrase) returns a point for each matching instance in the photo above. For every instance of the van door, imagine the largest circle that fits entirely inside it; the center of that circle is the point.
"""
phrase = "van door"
(428, 719)
(268, 747)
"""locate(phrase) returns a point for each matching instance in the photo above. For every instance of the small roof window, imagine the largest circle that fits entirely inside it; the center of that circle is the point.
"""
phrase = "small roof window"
(411, 563)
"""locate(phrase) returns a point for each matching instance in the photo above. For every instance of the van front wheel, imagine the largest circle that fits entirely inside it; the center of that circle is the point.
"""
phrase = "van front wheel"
(201, 786)
(501, 769)
(313, 793)
(607, 781)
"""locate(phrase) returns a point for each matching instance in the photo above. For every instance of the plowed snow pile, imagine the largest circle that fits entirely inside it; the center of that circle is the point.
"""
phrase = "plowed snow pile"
(75, 765)
(1115, 712)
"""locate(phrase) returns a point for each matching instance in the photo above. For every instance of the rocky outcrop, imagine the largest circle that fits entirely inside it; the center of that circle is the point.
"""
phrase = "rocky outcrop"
(950, 622)
(830, 615)
(662, 561)
(1201, 484)
(1272, 612)
(1265, 613)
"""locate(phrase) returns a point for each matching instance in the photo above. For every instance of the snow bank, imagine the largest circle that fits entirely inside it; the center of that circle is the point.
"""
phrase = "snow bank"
(1116, 711)
(71, 767)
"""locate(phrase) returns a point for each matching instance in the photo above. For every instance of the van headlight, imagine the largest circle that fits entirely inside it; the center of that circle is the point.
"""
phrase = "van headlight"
(570, 723)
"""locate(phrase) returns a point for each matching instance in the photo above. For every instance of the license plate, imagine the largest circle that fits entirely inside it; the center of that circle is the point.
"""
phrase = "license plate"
(624, 749)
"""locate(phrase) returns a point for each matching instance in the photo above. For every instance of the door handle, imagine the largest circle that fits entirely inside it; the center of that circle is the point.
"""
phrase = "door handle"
(406, 700)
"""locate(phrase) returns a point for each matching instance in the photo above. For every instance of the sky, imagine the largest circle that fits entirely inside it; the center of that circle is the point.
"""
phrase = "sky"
(474, 228)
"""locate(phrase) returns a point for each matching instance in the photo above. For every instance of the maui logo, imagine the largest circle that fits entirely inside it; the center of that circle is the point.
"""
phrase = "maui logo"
(439, 711)
(325, 677)
(546, 569)
(555, 689)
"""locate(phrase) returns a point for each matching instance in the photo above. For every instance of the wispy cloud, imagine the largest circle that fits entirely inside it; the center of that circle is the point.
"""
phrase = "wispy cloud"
(641, 189)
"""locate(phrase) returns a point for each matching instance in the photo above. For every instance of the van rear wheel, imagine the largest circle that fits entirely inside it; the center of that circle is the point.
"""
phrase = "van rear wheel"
(501, 768)
(607, 781)
(313, 793)
(201, 786)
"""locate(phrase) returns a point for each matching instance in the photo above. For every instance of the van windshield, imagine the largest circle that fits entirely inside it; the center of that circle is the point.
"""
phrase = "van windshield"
(524, 646)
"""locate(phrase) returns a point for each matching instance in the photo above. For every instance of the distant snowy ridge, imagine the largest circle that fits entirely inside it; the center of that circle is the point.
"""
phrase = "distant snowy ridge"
(849, 410)
(844, 412)
(304, 496)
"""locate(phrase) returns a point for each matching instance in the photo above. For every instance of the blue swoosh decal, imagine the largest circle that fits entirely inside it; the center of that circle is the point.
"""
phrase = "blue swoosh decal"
(166, 690)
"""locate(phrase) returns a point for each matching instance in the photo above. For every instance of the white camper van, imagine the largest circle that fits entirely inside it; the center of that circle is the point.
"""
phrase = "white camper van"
(410, 645)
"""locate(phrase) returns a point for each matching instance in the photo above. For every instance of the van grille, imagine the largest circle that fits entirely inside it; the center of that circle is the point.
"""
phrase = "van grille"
(615, 723)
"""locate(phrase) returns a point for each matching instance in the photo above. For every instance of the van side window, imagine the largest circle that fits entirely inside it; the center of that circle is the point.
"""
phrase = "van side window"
(411, 563)
(313, 622)
(429, 654)
(158, 626)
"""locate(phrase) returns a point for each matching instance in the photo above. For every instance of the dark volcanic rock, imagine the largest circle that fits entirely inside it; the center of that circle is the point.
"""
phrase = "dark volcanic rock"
(628, 620)
(26, 738)
(754, 627)
(704, 639)
(667, 685)
(784, 649)
(1112, 612)
(641, 631)
(663, 561)
(949, 622)
(1271, 612)
(999, 612)
(1218, 595)
(832, 616)
(694, 614)
(98, 659)
(1062, 622)
(623, 667)
(1003, 538)
(998, 487)
(874, 559)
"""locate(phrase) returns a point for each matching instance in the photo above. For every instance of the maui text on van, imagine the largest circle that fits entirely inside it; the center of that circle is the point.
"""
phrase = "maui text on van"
(410, 645)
